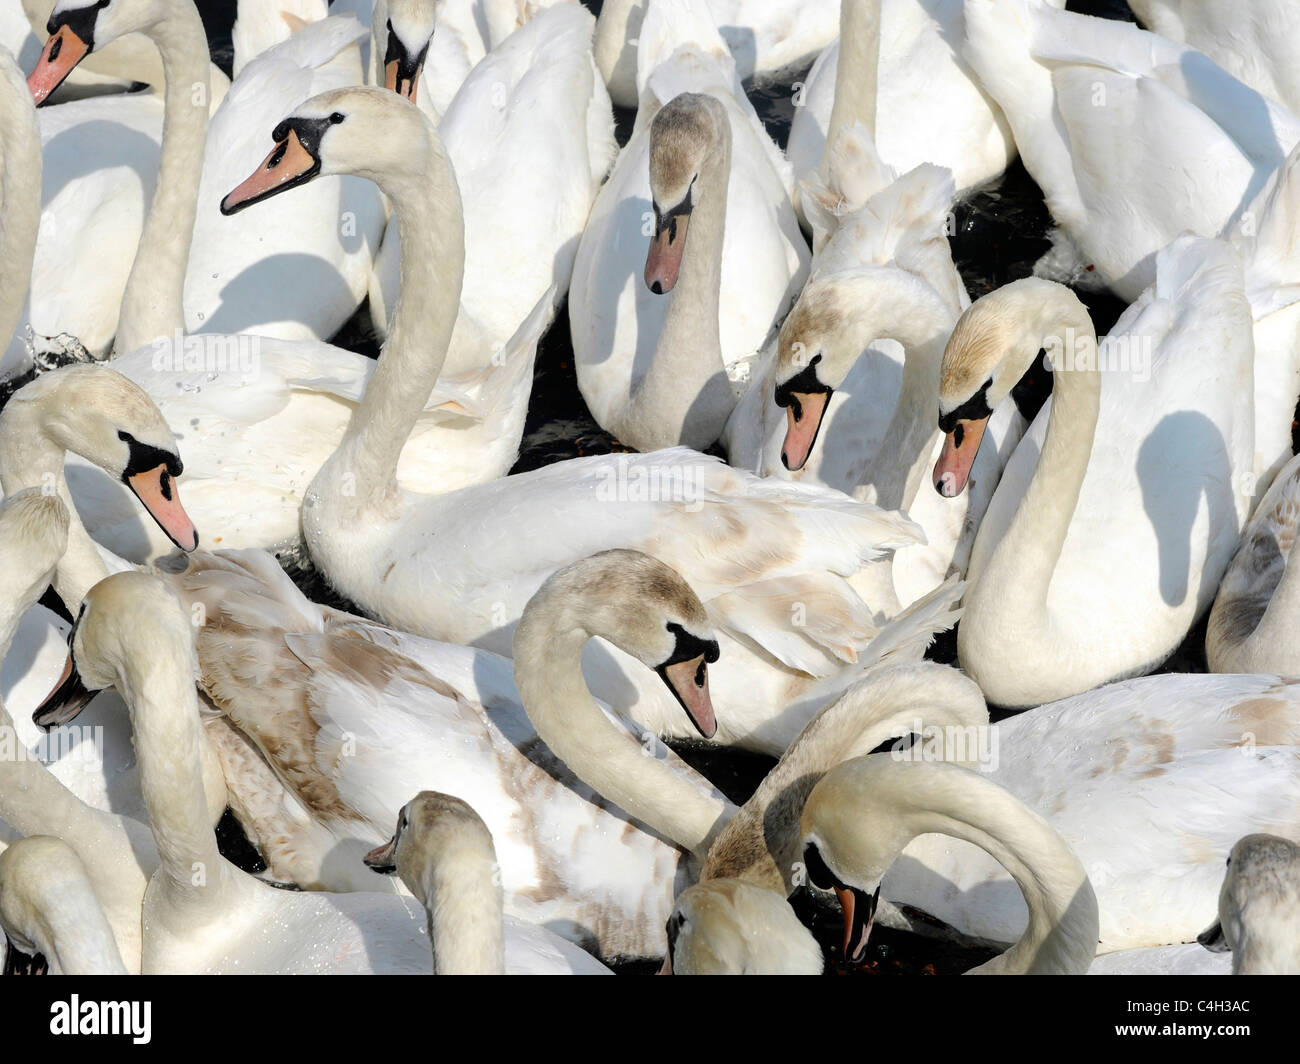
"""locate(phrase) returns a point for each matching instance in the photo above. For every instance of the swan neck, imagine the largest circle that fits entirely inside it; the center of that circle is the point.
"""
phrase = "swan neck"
(153, 305)
(463, 900)
(548, 672)
(20, 186)
(427, 206)
(857, 72)
(685, 395)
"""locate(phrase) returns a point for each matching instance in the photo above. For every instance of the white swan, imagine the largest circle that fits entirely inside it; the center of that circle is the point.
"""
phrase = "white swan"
(231, 268)
(48, 909)
(259, 416)
(766, 40)
(1133, 139)
(1254, 616)
(1258, 43)
(200, 913)
(1258, 908)
(663, 342)
(921, 101)
(405, 556)
(443, 852)
(530, 135)
(1121, 507)
(863, 813)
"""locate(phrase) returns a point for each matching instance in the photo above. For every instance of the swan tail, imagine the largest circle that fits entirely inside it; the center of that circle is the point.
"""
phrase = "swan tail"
(908, 635)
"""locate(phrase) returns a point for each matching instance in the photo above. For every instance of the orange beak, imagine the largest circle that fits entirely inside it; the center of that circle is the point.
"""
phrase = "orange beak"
(689, 681)
(664, 262)
(960, 446)
(394, 82)
(157, 492)
(801, 428)
(62, 52)
(290, 164)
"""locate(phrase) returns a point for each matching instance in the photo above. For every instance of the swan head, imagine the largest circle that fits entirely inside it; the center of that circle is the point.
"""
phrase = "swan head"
(410, 32)
(435, 828)
(1259, 906)
(839, 855)
(993, 344)
(645, 609)
(684, 138)
(729, 927)
(111, 422)
(79, 27)
(361, 131)
(128, 622)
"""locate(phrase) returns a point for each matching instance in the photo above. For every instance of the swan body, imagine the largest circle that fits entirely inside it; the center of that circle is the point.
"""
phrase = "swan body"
(1258, 44)
(1134, 438)
(1134, 139)
(530, 135)
(48, 908)
(654, 369)
(443, 852)
(766, 40)
(371, 537)
(730, 927)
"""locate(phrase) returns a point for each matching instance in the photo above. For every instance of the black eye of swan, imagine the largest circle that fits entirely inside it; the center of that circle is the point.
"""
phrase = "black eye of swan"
(337, 117)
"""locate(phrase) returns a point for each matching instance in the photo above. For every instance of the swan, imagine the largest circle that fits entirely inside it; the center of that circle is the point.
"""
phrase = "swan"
(232, 269)
(863, 813)
(258, 415)
(703, 180)
(885, 275)
(200, 913)
(49, 911)
(1253, 618)
(1258, 44)
(530, 135)
(410, 560)
(443, 852)
(1121, 507)
(766, 40)
(1133, 139)
(919, 98)
(1258, 906)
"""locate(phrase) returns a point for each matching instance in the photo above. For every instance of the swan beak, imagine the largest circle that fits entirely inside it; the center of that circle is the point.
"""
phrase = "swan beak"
(62, 52)
(664, 262)
(406, 83)
(667, 967)
(383, 859)
(689, 681)
(65, 702)
(1213, 939)
(803, 421)
(960, 446)
(859, 910)
(158, 494)
(290, 164)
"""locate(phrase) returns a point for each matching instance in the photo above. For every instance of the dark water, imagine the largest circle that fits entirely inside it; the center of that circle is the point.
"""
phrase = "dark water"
(1000, 233)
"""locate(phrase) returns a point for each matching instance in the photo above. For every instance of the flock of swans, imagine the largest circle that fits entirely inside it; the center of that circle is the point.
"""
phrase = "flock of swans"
(472, 776)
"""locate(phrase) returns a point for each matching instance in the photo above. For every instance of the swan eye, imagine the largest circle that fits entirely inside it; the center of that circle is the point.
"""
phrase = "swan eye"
(337, 117)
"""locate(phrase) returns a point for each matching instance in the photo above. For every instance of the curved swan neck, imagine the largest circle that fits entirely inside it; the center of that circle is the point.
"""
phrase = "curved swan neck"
(462, 896)
(164, 710)
(548, 672)
(20, 186)
(29, 458)
(153, 305)
(857, 72)
(426, 203)
(685, 393)
(1063, 923)
(1020, 568)
(760, 844)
